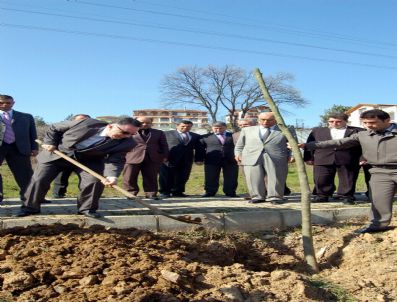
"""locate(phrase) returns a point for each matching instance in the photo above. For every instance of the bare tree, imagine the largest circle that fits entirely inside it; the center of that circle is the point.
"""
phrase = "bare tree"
(228, 88)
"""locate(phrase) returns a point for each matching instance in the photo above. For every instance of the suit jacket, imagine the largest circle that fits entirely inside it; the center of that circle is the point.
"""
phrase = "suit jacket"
(25, 132)
(235, 136)
(215, 152)
(67, 134)
(250, 146)
(336, 155)
(155, 146)
(181, 153)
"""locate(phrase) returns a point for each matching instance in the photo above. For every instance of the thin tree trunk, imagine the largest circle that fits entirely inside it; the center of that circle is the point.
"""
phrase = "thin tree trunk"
(307, 235)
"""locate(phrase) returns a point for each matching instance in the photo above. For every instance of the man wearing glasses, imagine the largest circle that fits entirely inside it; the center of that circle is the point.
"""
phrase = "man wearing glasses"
(327, 162)
(99, 146)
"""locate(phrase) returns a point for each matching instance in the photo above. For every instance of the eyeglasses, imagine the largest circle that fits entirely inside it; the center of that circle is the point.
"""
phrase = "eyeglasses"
(123, 131)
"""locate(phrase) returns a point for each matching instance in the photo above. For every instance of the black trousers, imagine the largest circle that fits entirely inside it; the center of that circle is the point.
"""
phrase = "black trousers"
(19, 164)
(324, 179)
(173, 179)
(90, 187)
(212, 175)
(61, 183)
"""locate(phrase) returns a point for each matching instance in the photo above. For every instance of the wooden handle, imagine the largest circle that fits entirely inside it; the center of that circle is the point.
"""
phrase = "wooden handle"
(154, 209)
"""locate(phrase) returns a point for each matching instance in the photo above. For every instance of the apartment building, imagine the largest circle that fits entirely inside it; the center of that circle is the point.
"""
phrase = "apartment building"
(167, 119)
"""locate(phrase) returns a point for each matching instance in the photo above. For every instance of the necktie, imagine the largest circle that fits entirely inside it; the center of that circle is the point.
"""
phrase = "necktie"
(9, 135)
(221, 138)
(185, 138)
(266, 134)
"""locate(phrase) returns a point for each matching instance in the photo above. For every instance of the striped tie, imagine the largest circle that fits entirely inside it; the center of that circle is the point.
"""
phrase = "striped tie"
(9, 135)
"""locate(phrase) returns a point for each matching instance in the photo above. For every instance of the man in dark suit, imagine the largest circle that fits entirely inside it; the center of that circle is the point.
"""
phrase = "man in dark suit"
(327, 162)
(96, 144)
(184, 146)
(219, 155)
(17, 143)
(61, 182)
(147, 156)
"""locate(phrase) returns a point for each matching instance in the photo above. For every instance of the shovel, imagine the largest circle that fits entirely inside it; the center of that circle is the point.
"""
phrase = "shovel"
(155, 210)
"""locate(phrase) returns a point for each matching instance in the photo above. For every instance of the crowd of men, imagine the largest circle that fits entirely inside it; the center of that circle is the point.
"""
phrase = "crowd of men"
(165, 158)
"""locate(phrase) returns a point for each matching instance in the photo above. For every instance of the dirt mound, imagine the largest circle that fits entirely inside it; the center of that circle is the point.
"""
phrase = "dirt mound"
(65, 263)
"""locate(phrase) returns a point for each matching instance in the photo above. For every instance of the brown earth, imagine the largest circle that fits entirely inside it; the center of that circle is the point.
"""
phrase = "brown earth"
(65, 263)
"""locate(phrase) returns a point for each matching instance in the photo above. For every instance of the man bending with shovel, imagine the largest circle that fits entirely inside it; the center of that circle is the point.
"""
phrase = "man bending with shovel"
(95, 144)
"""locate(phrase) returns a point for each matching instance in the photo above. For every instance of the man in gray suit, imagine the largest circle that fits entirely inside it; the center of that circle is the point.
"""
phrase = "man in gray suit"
(99, 146)
(17, 143)
(262, 150)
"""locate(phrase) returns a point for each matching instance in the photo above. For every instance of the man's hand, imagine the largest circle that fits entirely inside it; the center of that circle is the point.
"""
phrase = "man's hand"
(34, 153)
(309, 162)
(291, 159)
(363, 162)
(238, 159)
(302, 145)
(110, 180)
(49, 148)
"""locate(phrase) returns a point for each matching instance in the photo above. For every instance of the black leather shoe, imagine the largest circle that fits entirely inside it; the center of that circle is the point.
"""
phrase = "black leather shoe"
(256, 200)
(179, 195)
(90, 214)
(232, 195)
(153, 197)
(25, 212)
(164, 195)
(207, 195)
(372, 229)
(348, 201)
(320, 199)
(46, 201)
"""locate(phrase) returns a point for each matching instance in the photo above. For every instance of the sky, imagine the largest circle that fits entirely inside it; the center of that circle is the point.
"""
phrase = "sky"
(108, 57)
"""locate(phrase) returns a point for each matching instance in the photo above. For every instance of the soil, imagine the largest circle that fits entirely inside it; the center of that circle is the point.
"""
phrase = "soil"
(67, 263)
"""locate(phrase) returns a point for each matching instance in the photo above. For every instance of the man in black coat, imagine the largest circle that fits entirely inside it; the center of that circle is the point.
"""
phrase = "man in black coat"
(184, 147)
(219, 155)
(99, 146)
(328, 162)
(17, 143)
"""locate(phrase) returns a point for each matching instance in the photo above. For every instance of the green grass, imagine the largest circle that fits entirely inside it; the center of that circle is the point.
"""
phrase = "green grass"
(338, 294)
(195, 184)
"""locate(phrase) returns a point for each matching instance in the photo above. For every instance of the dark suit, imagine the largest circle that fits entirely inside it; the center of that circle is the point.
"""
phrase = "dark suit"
(146, 157)
(106, 157)
(175, 174)
(17, 154)
(219, 157)
(328, 162)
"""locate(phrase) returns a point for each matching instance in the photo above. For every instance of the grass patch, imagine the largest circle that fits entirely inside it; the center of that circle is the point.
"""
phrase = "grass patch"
(337, 292)
(195, 185)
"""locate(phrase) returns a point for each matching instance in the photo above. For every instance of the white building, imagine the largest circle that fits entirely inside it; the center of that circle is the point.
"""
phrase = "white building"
(355, 112)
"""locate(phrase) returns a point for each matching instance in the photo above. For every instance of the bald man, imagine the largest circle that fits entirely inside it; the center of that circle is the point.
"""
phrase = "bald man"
(262, 150)
(146, 158)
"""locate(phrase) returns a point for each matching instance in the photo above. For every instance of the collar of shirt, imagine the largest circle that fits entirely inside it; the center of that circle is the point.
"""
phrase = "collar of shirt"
(92, 140)
(10, 113)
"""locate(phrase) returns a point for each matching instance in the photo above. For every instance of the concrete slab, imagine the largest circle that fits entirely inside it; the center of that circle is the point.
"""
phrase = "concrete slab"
(227, 214)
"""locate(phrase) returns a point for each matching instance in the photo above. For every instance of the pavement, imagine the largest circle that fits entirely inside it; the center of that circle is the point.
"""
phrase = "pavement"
(219, 212)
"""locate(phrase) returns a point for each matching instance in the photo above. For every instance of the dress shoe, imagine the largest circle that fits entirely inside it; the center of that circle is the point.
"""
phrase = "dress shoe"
(247, 198)
(372, 229)
(232, 195)
(320, 199)
(45, 201)
(207, 195)
(25, 212)
(90, 214)
(179, 195)
(164, 195)
(256, 200)
(275, 200)
(153, 197)
(348, 201)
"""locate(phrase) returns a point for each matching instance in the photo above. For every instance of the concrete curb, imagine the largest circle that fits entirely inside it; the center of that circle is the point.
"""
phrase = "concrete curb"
(249, 221)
